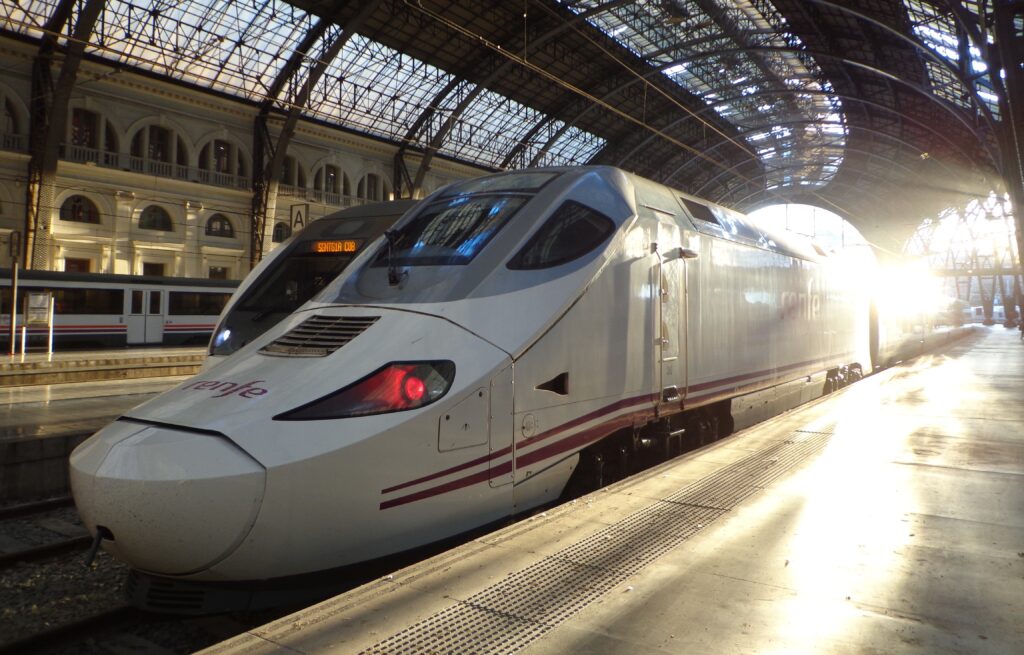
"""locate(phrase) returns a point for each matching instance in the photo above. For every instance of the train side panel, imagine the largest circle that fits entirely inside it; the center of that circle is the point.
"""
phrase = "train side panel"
(594, 371)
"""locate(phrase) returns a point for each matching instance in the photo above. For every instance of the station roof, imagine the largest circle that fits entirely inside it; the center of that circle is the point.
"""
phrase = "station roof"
(883, 111)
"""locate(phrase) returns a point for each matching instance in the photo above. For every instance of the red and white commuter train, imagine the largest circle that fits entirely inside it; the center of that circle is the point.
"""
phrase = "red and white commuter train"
(102, 310)
(500, 342)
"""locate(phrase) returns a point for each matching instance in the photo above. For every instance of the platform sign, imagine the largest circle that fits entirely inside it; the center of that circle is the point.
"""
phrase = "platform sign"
(38, 311)
(37, 308)
(300, 216)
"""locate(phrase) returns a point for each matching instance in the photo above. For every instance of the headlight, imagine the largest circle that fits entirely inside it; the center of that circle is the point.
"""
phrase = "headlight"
(395, 387)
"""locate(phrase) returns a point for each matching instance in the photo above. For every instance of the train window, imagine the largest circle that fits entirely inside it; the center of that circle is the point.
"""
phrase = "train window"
(700, 211)
(449, 232)
(87, 301)
(137, 296)
(197, 303)
(155, 217)
(572, 231)
(154, 302)
(79, 209)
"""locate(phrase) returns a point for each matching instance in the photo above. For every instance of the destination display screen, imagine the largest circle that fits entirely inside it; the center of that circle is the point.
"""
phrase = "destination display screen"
(334, 246)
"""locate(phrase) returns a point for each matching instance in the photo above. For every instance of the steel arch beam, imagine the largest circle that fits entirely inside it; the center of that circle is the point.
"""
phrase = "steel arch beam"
(439, 138)
(267, 171)
(862, 101)
(49, 117)
(946, 108)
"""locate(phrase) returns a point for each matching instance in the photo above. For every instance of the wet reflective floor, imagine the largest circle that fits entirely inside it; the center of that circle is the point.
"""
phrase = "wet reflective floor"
(55, 409)
(886, 518)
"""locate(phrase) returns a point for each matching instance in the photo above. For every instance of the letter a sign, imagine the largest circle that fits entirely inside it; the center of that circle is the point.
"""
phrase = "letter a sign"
(300, 214)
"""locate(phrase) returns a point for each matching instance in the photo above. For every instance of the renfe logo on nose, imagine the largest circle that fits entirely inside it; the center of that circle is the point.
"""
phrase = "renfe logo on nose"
(243, 389)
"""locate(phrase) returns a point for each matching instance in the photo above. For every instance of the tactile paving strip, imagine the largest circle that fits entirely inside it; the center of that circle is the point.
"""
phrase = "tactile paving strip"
(505, 617)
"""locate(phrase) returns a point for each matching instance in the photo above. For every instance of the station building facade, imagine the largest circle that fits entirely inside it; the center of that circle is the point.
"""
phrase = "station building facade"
(155, 177)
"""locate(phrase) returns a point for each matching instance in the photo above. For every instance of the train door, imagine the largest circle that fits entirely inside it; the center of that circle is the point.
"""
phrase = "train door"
(145, 320)
(669, 313)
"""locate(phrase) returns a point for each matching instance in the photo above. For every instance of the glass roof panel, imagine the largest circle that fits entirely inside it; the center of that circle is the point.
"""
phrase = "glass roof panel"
(240, 47)
(375, 89)
(738, 57)
(233, 47)
(573, 146)
(937, 29)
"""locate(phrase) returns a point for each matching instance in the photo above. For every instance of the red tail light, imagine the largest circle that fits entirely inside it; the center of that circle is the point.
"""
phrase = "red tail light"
(396, 387)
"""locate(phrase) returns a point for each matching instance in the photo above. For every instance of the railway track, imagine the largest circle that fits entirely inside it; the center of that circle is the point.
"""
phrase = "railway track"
(38, 530)
(74, 632)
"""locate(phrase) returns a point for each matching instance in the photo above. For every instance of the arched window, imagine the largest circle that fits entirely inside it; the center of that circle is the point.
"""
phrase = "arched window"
(155, 217)
(85, 128)
(328, 179)
(79, 209)
(292, 173)
(154, 143)
(91, 135)
(281, 232)
(9, 124)
(219, 226)
(373, 187)
(224, 157)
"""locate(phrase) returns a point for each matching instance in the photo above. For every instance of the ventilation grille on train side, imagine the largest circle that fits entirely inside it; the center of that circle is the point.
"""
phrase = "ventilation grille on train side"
(319, 336)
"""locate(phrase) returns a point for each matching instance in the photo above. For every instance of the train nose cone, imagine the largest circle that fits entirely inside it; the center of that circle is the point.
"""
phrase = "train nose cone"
(175, 501)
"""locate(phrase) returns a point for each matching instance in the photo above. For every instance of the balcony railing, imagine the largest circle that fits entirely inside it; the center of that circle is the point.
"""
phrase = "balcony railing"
(13, 142)
(83, 154)
(222, 179)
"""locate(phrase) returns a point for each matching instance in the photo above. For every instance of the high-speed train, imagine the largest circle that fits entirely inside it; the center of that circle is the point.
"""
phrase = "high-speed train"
(512, 335)
(296, 270)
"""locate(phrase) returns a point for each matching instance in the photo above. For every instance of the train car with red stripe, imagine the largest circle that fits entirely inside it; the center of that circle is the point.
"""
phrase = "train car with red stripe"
(94, 310)
(512, 337)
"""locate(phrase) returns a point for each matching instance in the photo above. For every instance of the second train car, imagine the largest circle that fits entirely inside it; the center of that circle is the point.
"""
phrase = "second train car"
(296, 270)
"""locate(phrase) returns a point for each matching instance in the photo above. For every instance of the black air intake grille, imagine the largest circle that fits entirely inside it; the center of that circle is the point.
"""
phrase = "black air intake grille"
(319, 336)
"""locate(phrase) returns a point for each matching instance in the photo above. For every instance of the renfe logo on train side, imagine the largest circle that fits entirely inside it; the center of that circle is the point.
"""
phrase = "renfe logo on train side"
(243, 389)
(804, 305)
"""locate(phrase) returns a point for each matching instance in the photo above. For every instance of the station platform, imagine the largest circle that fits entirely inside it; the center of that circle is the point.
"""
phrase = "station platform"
(51, 403)
(885, 518)
(34, 368)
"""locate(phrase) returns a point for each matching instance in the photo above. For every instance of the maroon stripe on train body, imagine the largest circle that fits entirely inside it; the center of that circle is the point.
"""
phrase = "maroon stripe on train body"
(449, 486)
(455, 469)
(579, 439)
(747, 376)
(586, 418)
(78, 330)
(526, 442)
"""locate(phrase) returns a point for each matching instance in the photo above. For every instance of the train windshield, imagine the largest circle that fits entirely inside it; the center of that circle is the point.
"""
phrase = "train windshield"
(298, 278)
(453, 229)
(449, 232)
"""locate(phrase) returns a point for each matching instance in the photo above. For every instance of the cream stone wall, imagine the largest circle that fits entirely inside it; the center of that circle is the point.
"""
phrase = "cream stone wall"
(122, 184)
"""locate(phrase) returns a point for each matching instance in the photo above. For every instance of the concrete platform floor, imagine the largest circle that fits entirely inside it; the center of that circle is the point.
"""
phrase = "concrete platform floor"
(886, 518)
